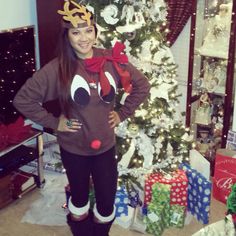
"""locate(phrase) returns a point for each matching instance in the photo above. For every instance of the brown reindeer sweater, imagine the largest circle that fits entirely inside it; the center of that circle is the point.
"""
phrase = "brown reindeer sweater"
(44, 86)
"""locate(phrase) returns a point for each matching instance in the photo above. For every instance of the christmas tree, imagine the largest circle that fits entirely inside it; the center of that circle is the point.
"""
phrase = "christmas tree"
(155, 138)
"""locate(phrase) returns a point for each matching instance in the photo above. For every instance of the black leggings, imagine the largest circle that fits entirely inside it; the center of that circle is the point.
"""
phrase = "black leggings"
(102, 168)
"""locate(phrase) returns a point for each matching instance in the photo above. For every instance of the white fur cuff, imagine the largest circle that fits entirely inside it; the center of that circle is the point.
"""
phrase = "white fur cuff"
(104, 218)
(78, 210)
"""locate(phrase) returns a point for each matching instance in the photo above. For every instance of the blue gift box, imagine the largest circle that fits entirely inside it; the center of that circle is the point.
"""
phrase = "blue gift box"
(121, 202)
(134, 199)
(199, 194)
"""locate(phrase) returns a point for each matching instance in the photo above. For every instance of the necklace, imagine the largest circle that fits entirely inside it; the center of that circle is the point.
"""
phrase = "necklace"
(91, 82)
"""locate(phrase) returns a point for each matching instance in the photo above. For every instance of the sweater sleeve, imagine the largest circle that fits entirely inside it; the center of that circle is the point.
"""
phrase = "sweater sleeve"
(40, 88)
(140, 91)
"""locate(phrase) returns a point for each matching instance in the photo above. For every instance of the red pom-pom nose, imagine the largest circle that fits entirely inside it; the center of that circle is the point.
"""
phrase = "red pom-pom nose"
(95, 144)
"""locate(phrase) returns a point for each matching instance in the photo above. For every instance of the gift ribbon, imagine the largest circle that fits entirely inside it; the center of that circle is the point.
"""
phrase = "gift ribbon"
(96, 64)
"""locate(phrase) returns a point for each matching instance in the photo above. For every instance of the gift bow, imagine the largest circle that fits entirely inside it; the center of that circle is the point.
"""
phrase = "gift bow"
(13, 133)
(96, 64)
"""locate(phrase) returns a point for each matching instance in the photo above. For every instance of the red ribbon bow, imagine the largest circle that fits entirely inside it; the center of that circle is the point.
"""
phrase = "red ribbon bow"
(96, 64)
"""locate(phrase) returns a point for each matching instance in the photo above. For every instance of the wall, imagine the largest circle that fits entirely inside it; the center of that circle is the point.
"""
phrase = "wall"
(19, 13)
(180, 50)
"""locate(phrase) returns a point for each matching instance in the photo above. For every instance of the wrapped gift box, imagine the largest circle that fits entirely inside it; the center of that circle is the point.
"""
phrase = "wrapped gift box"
(161, 193)
(225, 175)
(225, 160)
(134, 197)
(125, 221)
(121, 202)
(177, 215)
(222, 184)
(138, 223)
(161, 196)
(178, 182)
(199, 194)
(158, 215)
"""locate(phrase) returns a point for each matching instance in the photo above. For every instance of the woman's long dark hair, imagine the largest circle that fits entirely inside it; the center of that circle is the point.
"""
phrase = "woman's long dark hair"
(67, 68)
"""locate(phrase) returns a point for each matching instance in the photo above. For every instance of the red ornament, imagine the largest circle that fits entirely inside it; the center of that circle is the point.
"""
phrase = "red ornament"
(95, 144)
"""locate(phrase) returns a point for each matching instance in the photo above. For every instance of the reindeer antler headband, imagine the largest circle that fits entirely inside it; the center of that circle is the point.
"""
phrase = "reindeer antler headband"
(73, 16)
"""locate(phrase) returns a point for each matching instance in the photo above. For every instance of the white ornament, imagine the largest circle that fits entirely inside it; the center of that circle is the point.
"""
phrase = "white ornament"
(128, 13)
(188, 138)
(146, 149)
(158, 145)
(169, 149)
(145, 54)
(127, 47)
(163, 53)
(156, 10)
(124, 162)
(161, 91)
(100, 31)
(121, 129)
(132, 24)
(155, 121)
(141, 112)
(109, 13)
(139, 19)
(126, 28)
(163, 15)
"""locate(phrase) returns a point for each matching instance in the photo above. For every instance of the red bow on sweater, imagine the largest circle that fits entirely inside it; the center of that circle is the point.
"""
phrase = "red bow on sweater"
(96, 64)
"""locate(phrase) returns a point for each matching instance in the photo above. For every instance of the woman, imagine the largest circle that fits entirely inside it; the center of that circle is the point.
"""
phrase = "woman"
(85, 79)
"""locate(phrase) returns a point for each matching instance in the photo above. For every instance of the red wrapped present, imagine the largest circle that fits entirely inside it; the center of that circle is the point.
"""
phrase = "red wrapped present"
(225, 160)
(178, 182)
(13, 133)
(222, 184)
(225, 175)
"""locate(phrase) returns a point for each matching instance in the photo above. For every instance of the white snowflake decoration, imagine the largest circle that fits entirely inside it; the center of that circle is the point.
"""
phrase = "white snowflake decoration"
(109, 14)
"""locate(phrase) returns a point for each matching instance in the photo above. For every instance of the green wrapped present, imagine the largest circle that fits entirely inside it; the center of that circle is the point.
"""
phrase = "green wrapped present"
(177, 215)
(157, 218)
(161, 193)
(154, 224)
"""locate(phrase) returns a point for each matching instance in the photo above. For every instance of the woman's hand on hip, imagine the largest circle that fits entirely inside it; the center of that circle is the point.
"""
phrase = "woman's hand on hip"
(68, 125)
(114, 119)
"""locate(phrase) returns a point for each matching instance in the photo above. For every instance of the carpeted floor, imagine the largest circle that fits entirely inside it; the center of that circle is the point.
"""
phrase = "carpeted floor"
(11, 221)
